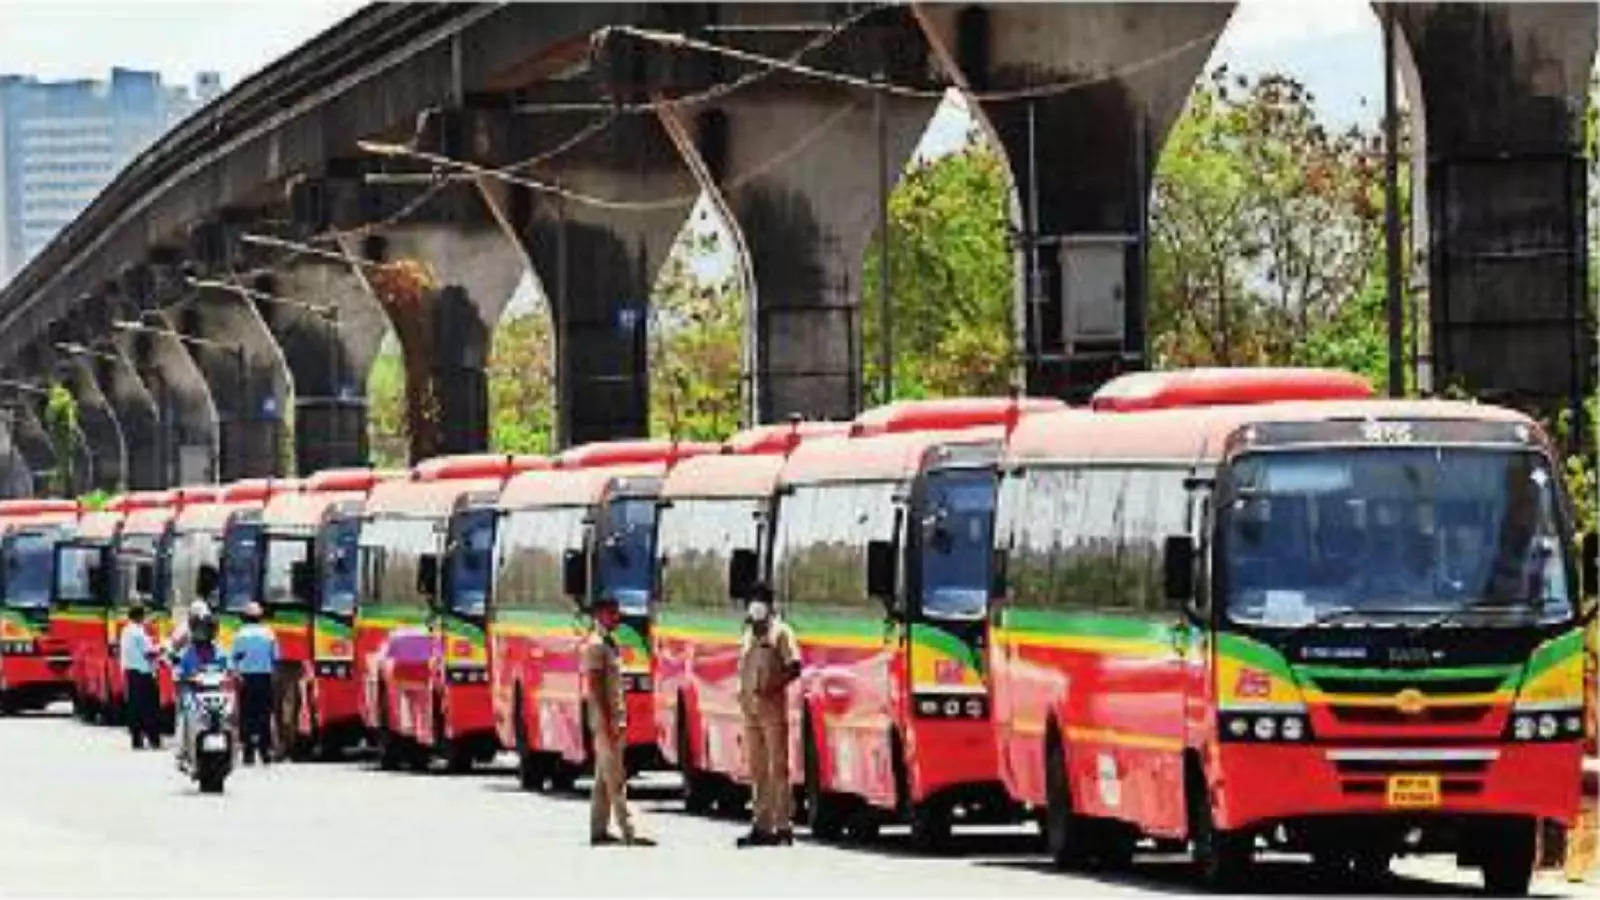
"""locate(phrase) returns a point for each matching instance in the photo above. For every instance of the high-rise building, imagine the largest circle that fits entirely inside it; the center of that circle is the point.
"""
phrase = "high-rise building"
(61, 142)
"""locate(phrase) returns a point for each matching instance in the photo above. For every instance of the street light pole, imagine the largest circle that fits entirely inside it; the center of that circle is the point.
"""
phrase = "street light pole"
(1391, 213)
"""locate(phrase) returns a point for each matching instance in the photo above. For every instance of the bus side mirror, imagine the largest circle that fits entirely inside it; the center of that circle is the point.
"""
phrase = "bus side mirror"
(742, 574)
(206, 579)
(574, 575)
(1590, 552)
(999, 560)
(1177, 568)
(428, 574)
(301, 583)
(144, 579)
(880, 570)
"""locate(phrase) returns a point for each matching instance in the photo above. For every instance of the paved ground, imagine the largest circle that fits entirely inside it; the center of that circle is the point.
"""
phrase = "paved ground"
(81, 814)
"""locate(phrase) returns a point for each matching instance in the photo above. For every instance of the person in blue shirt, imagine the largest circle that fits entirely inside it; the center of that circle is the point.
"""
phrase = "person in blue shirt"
(200, 652)
(137, 654)
(255, 656)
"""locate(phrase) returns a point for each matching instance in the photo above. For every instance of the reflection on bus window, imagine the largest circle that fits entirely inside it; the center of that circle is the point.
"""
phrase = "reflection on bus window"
(74, 562)
(29, 560)
(340, 573)
(1426, 530)
(241, 566)
(959, 519)
(625, 560)
(470, 577)
(277, 581)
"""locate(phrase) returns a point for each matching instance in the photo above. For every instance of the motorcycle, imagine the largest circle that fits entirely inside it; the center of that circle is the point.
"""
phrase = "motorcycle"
(208, 744)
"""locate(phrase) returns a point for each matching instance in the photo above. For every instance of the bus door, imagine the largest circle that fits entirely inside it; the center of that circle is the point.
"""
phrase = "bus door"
(954, 515)
(467, 575)
(334, 597)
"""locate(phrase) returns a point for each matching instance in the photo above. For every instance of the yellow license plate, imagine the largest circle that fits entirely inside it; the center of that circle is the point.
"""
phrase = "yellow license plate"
(1413, 791)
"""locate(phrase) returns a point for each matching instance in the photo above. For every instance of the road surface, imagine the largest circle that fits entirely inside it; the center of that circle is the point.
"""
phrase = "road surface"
(81, 814)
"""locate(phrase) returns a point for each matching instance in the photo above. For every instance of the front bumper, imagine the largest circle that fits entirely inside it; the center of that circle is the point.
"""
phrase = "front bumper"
(1257, 785)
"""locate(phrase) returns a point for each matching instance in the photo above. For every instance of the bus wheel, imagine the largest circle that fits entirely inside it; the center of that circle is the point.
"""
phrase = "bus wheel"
(563, 776)
(930, 826)
(390, 753)
(1507, 857)
(530, 766)
(698, 796)
(825, 815)
(1221, 856)
(1065, 832)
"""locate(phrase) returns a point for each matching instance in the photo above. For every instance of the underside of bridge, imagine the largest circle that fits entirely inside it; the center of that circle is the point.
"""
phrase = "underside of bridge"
(216, 311)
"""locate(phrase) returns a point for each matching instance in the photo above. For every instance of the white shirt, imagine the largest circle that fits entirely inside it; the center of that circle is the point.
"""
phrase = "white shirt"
(135, 648)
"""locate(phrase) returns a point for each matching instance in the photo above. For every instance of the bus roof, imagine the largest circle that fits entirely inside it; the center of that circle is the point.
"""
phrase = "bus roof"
(1198, 435)
(433, 498)
(37, 506)
(724, 475)
(947, 414)
(257, 490)
(211, 516)
(1226, 387)
(305, 509)
(878, 458)
(781, 437)
(622, 453)
(147, 519)
(346, 480)
(100, 524)
(571, 487)
(144, 500)
(475, 465)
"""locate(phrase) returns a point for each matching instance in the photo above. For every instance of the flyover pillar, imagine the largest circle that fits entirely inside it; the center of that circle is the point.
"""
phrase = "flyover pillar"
(186, 432)
(101, 431)
(1079, 98)
(136, 415)
(1503, 89)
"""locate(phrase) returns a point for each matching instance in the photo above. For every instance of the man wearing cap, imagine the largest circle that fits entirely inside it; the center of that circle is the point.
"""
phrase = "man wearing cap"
(136, 653)
(255, 656)
(768, 661)
(607, 709)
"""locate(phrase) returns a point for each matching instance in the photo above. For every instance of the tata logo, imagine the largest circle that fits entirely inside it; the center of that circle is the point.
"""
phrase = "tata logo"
(1410, 701)
(1413, 654)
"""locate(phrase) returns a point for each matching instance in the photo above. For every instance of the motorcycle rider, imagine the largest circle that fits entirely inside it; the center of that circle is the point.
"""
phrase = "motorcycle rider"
(199, 654)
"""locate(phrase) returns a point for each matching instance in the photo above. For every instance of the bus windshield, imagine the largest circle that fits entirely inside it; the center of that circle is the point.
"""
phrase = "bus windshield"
(74, 562)
(471, 572)
(339, 570)
(1306, 536)
(277, 575)
(957, 525)
(241, 566)
(626, 558)
(29, 564)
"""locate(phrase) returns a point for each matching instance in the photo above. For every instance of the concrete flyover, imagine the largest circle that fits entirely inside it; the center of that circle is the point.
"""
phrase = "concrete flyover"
(216, 310)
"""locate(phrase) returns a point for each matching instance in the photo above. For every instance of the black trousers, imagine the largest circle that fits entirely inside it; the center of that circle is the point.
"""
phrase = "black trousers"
(255, 715)
(144, 708)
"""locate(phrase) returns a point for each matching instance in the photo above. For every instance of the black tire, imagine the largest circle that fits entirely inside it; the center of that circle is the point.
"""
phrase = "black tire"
(563, 776)
(699, 795)
(825, 815)
(1508, 858)
(390, 752)
(531, 769)
(930, 827)
(1066, 834)
(1222, 858)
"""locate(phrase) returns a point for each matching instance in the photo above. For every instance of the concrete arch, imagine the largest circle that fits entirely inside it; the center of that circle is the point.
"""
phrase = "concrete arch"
(136, 414)
(32, 442)
(16, 480)
(329, 352)
(241, 362)
(102, 432)
(186, 432)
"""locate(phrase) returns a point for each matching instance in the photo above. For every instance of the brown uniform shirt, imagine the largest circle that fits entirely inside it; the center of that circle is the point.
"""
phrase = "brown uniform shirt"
(762, 662)
(602, 667)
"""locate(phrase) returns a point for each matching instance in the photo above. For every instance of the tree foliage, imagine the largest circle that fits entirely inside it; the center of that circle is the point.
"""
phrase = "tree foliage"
(696, 341)
(386, 407)
(951, 279)
(61, 425)
(522, 385)
(1267, 233)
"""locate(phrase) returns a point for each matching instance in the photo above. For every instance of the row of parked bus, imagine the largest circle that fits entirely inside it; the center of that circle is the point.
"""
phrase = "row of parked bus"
(1130, 620)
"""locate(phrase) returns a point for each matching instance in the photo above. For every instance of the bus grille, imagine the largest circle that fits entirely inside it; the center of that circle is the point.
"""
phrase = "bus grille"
(1471, 684)
(1389, 715)
(1368, 775)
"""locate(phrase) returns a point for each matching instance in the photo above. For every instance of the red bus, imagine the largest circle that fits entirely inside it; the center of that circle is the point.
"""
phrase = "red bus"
(1376, 598)
(880, 564)
(34, 662)
(304, 547)
(710, 507)
(206, 538)
(565, 535)
(405, 526)
(83, 595)
(143, 575)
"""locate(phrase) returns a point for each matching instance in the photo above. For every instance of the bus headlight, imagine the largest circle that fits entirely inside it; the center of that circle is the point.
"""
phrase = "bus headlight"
(1554, 725)
(1264, 727)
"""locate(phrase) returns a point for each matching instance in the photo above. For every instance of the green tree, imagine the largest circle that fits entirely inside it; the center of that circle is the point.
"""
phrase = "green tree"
(1267, 233)
(61, 424)
(951, 279)
(387, 437)
(696, 342)
(521, 385)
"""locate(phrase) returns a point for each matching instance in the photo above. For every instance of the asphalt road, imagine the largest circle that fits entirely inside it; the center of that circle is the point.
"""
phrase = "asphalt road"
(81, 814)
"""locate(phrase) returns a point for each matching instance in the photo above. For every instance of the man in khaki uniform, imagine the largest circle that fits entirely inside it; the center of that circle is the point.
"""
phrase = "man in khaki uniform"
(608, 716)
(768, 660)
